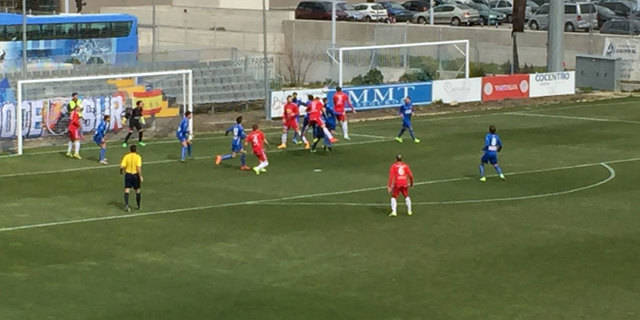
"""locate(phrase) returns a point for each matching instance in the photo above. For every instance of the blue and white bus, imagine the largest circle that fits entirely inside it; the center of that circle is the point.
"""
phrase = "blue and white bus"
(56, 41)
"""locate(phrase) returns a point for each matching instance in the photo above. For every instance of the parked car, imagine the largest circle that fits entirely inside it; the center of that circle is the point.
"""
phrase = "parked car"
(488, 16)
(420, 5)
(502, 6)
(621, 26)
(604, 14)
(372, 11)
(579, 15)
(352, 14)
(318, 10)
(396, 11)
(450, 13)
(620, 8)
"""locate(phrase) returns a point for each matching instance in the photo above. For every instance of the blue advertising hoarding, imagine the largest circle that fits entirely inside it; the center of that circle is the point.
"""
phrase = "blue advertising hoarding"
(387, 95)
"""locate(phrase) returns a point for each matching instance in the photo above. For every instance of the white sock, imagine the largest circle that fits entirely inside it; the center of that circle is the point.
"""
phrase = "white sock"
(77, 143)
(70, 146)
(263, 165)
(327, 133)
(407, 200)
(304, 139)
(394, 205)
(345, 129)
(284, 138)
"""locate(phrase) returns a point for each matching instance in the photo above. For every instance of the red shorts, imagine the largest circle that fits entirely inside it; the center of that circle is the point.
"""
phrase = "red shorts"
(262, 156)
(341, 117)
(74, 134)
(316, 121)
(291, 124)
(400, 189)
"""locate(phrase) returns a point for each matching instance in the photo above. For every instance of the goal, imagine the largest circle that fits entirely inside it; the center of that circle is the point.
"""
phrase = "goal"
(407, 62)
(44, 117)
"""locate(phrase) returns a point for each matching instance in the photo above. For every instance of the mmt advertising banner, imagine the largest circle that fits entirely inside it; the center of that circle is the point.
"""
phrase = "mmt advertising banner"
(552, 84)
(387, 95)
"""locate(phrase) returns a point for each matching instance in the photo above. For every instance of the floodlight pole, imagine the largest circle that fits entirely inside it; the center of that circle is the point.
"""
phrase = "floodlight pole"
(153, 31)
(431, 12)
(333, 24)
(267, 99)
(24, 38)
(66, 6)
(555, 40)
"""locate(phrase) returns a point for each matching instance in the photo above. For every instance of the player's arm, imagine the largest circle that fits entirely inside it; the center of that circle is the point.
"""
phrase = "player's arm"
(391, 180)
(353, 109)
(410, 176)
(499, 145)
(226, 132)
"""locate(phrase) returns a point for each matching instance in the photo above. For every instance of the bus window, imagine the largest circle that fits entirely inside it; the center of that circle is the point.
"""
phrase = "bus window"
(121, 29)
(47, 31)
(100, 30)
(65, 30)
(33, 32)
(14, 33)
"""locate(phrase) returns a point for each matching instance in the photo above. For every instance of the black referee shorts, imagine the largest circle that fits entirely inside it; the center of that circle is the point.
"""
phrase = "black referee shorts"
(132, 181)
(135, 124)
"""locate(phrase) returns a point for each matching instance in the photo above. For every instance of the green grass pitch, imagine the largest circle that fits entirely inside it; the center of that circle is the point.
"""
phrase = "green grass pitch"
(560, 239)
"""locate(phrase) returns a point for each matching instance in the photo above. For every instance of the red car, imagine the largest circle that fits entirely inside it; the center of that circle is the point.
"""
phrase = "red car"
(318, 10)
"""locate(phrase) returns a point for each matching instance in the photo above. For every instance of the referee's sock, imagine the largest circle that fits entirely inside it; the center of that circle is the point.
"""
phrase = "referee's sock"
(138, 196)
(189, 149)
(126, 199)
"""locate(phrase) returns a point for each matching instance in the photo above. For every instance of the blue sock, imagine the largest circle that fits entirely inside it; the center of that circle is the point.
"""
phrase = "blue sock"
(295, 137)
(102, 153)
(327, 142)
(189, 149)
(401, 132)
(411, 133)
(227, 156)
(243, 159)
(184, 149)
(482, 170)
(498, 169)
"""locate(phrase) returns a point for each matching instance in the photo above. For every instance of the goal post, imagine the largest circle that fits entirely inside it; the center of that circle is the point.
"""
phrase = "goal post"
(153, 86)
(435, 60)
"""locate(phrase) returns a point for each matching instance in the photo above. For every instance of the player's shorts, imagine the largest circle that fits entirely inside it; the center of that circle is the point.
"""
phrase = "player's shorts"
(305, 122)
(236, 146)
(262, 156)
(98, 140)
(316, 121)
(398, 190)
(406, 123)
(134, 124)
(182, 137)
(132, 181)
(331, 125)
(490, 157)
(342, 117)
(74, 134)
(291, 124)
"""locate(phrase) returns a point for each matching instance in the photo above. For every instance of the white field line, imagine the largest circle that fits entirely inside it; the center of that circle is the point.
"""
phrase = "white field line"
(540, 115)
(612, 175)
(368, 136)
(211, 157)
(305, 196)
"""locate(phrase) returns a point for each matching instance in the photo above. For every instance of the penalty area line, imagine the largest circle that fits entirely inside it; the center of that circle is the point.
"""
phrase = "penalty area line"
(612, 175)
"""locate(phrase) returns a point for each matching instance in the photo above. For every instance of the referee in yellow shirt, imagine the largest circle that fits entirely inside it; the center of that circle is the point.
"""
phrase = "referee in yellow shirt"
(131, 167)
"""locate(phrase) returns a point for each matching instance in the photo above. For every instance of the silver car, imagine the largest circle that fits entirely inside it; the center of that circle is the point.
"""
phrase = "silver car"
(449, 13)
(577, 16)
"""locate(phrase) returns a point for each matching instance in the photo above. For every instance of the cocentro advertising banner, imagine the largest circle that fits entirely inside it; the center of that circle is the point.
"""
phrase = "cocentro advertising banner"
(458, 90)
(502, 87)
(387, 96)
(552, 84)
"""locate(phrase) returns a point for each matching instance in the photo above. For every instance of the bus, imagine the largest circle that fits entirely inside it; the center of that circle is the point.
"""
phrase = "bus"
(61, 41)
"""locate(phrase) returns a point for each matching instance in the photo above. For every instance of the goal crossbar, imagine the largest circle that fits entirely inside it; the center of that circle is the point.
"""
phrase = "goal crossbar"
(187, 88)
(342, 50)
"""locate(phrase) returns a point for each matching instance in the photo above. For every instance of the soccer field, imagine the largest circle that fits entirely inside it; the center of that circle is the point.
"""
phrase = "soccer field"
(311, 238)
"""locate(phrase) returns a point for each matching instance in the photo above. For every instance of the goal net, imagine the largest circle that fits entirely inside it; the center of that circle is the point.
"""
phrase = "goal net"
(408, 62)
(44, 115)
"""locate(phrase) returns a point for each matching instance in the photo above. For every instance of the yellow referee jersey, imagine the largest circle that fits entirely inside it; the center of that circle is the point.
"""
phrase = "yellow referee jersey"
(130, 163)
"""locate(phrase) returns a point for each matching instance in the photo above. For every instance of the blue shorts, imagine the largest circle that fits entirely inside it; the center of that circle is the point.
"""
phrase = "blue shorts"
(98, 140)
(236, 146)
(490, 157)
(331, 125)
(406, 122)
(182, 137)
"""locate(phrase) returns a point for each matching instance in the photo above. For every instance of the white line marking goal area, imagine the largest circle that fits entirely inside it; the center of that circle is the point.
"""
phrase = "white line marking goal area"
(289, 200)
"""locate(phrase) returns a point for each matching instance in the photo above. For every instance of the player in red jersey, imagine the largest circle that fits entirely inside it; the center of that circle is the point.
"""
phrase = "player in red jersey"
(290, 122)
(258, 141)
(315, 118)
(74, 133)
(400, 179)
(340, 100)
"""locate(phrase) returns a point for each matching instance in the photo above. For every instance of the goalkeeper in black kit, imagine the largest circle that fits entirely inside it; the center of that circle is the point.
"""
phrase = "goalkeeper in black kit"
(136, 121)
